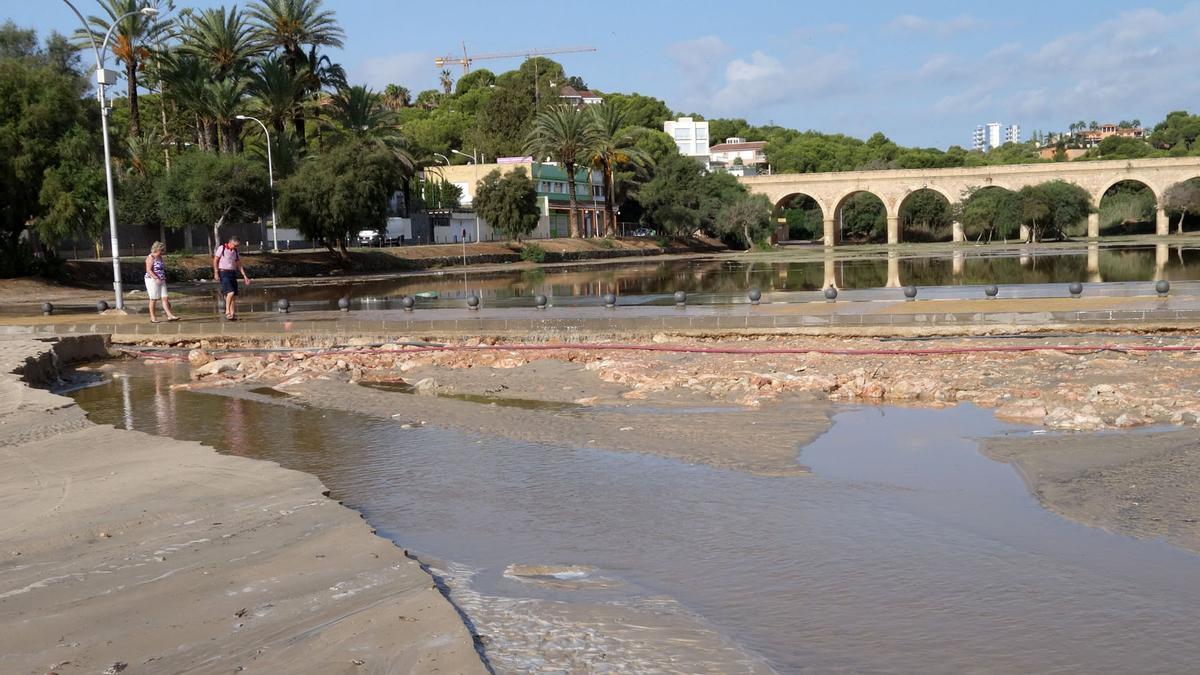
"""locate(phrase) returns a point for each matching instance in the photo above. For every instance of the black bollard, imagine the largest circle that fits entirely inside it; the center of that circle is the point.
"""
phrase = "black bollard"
(680, 299)
(610, 300)
(344, 304)
(101, 306)
(407, 302)
(755, 296)
(284, 305)
(540, 301)
(1076, 289)
(831, 294)
(991, 291)
(47, 309)
(1162, 287)
(473, 303)
(910, 293)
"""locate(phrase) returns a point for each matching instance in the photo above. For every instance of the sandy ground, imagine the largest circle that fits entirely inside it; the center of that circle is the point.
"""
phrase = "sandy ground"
(1144, 485)
(121, 551)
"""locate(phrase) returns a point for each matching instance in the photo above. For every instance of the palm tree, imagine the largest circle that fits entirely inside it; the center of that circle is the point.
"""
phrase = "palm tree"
(223, 38)
(277, 94)
(223, 100)
(565, 134)
(447, 82)
(289, 25)
(129, 41)
(359, 113)
(187, 78)
(614, 146)
(396, 97)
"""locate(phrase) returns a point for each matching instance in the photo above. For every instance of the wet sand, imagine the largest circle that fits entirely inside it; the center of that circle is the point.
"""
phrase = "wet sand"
(123, 550)
(1143, 485)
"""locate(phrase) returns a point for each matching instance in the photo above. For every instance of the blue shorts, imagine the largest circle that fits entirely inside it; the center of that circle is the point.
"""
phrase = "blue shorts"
(229, 282)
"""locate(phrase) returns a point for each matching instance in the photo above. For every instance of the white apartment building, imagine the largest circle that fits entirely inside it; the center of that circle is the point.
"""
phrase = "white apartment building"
(995, 134)
(691, 137)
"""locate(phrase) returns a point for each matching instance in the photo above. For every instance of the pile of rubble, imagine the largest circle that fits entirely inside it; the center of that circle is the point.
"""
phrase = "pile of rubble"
(1086, 389)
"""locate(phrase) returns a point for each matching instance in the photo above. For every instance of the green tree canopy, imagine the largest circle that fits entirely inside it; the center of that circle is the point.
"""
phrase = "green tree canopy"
(746, 220)
(990, 211)
(1183, 200)
(566, 135)
(1053, 208)
(333, 195)
(211, 189)
(508, 202)
(925, 214)
(681, 197)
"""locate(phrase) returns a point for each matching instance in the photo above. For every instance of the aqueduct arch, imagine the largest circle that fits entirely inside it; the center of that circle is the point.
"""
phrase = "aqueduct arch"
(893, 186)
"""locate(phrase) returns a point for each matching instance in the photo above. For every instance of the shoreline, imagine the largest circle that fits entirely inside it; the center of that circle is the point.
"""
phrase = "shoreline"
(111, 532)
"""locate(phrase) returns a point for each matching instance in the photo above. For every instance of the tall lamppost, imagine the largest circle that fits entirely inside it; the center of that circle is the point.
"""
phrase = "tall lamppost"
(475, 163)
(106, 77)
(270, 180)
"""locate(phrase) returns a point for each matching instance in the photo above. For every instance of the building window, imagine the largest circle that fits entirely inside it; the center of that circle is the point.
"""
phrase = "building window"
(701, 133)
(683, 134)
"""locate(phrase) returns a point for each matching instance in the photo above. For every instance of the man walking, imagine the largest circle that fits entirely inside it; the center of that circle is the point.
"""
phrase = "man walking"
(227, 265)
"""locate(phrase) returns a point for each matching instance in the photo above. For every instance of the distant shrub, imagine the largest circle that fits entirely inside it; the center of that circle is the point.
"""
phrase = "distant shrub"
(533, 253)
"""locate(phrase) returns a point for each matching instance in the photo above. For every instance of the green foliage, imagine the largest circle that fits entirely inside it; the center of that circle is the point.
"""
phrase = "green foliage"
(204, 188)
(864, 218)
(926, 215)
(746, 220)
(1122, 147)
(533, 253)
(566, 135)
(641, 111)
(1052, 208)
(804, 224)
(74, 195)
(336, 194)
(440, 194)
(1179, 131)
(481, 77)
(508, 202)
(1183, 200)
(990, 211)
(1126, 205)
(682, 198)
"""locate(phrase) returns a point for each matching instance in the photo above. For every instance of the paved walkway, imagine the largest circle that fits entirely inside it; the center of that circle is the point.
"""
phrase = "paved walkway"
(1178, 310)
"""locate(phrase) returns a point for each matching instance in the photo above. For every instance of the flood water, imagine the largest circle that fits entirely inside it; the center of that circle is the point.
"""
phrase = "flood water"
(906, 551)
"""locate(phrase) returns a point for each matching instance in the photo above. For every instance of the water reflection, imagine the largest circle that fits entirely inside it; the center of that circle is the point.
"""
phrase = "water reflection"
(653, 281)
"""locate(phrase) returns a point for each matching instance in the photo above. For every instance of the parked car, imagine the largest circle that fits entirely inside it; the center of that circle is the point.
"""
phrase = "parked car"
(643, 232)
(370, 238)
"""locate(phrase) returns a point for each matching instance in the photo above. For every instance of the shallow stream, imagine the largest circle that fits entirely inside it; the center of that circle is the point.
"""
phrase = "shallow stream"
(906, 551)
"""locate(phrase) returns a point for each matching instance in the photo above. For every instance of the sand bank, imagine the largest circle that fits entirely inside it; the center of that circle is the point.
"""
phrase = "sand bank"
(123, 550)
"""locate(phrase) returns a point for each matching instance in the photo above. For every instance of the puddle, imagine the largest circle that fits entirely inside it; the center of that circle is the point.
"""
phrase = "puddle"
(502, 401)
(907, 551)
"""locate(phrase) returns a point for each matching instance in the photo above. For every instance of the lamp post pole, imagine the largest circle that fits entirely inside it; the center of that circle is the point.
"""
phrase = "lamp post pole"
(475, 163)
(270, 181)
(102, 78)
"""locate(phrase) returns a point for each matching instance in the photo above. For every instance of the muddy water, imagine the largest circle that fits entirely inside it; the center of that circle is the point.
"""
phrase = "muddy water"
(719, 280)
(906, 551)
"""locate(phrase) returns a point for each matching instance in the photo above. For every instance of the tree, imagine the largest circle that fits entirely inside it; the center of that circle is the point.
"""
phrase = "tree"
(1050, 209)
(40, 105)
(129, 42)
(396, 97)
(277, 94)
(614, 145)
(290, 25)
(567, 135)
(508, 202)
(212, 189)
(73, 194)
(357, 113)
(222, 37)
(990, 211)
(441, 194)
(926, 213)
(347, 189)
(746, 219)
(1183, 199)
(642, 111)
(446, 81)
(681, 198)
(863, 217)
(1122, 147)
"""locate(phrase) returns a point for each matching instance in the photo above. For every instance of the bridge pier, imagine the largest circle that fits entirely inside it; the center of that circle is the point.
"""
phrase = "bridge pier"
(893, 229)
(958, 233)
(1093, 228)
(830, 272)
(893, 273)
(1162, 253)
(830, 231)
(1093, 262)
(958, 261)
(1162, 224)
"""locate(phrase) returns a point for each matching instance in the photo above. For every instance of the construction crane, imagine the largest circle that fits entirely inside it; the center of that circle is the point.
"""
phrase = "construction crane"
(467, 59)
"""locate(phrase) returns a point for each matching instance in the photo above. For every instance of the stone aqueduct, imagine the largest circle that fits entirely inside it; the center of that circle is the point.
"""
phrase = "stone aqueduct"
(892, 187)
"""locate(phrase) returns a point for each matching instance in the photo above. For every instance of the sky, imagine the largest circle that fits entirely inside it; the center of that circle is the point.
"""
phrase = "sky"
(924, 73)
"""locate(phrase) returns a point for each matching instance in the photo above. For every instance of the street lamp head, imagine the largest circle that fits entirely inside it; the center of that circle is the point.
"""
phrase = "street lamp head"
(149, 11)
(241, 117)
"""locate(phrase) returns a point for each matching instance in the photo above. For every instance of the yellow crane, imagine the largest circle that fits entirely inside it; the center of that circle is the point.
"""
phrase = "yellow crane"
(467, 59)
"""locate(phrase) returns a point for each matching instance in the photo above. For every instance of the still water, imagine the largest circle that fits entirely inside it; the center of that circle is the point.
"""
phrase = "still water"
(906, 551)
(719, 279)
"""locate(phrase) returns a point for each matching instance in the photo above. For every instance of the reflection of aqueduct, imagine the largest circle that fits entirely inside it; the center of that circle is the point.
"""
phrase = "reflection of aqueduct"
(830, 190)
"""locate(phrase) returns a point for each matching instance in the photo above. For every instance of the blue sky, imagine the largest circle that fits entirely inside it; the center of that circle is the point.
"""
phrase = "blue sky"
(924, 73)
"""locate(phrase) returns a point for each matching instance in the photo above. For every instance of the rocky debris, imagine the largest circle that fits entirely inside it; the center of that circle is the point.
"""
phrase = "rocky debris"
(1082, 390)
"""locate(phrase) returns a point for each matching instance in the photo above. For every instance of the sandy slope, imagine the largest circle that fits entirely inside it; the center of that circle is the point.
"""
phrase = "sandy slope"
(121, 548)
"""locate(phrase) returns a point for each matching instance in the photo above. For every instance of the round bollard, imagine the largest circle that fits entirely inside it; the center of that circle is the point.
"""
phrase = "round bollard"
(540, 301)
(830, 294)
(284, 305)
(1076, 289)
(910, 293)
(991, 291)
(47, 308)
(610, 300)
(680, 298)
(408, 302)
(755, 296)
(473, 303)
(101, 306)
(1162, 287)
(344, 304)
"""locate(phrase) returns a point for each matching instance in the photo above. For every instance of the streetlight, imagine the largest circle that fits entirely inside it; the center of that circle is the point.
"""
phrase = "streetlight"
(475, 163)
(442, 157)
(105, 77)
(270, 179)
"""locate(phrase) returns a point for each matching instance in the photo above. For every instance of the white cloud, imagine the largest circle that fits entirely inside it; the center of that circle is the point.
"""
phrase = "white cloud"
(410, 69)
(911, 23)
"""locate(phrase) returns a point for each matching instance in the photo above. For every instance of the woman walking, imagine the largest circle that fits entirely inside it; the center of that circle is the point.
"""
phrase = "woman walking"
(227, 264)
(156, 281)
